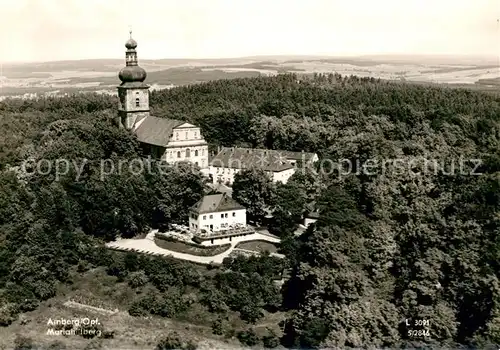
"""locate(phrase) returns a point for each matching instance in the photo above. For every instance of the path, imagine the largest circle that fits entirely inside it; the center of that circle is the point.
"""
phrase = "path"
(148, 246)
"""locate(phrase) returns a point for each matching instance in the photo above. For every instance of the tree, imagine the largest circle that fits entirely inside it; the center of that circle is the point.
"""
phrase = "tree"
(253, 189)
(289, 204)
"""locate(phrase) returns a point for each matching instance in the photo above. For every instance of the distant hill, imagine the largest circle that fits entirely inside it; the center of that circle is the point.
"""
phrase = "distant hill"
(101, 74)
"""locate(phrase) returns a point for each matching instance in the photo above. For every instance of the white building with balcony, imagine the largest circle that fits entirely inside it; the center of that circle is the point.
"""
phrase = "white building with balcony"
(216, 213)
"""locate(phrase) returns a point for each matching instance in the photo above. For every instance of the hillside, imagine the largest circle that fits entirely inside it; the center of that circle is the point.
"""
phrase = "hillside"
(404, 254)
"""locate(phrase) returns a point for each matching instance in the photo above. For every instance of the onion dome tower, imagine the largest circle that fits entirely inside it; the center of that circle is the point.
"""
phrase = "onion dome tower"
(133, 93)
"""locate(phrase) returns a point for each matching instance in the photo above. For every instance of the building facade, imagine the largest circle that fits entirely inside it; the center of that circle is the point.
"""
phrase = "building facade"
(166, 139)
(216, 213)
(278, 165)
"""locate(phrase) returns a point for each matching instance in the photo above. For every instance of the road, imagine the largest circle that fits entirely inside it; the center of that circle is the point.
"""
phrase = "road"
(148, 246)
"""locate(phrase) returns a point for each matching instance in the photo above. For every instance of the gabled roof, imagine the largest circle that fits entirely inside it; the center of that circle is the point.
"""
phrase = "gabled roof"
(244, 158)
(156, 131)
(221, 188)
(306, 156)
(216, 202)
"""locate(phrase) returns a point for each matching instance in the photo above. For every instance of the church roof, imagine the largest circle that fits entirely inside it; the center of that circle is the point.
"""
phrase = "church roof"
(156, 131)
(244, 158)
(216, 202)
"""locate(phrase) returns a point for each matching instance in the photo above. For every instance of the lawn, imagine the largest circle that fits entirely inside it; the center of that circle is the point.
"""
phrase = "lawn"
(258, 246)
(192, 249)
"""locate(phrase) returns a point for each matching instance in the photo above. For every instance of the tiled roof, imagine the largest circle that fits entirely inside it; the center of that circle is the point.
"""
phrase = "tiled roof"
(244, 158)
(156, 131)
(216, 202)
(306, 156)
(221, 188)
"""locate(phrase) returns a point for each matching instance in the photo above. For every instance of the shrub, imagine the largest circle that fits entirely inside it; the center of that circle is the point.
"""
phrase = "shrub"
(83, 266)
(8, 314)
(173, 341)
(137, 309)
(270, 340)
(248, 337)
(90, 331)
(250, 313)
(23, 343)
(218, 327)
(57, 345)
(137, 279)
(117, 268)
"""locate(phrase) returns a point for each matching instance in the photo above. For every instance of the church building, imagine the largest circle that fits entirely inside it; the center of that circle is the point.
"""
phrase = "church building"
(167, 139)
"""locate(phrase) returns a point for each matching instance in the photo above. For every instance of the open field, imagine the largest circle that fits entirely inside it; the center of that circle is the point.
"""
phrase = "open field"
(102, 75)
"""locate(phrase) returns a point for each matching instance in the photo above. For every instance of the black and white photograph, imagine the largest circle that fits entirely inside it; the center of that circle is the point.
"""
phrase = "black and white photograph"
(236, 174)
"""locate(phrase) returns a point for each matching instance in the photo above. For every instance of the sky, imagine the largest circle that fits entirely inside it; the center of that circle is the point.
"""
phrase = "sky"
(49, 30)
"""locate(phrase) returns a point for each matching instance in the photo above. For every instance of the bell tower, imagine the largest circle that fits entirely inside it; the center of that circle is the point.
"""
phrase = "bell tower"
(133, 93)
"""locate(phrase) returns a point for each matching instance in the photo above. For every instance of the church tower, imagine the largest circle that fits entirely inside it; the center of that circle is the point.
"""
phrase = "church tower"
(133, 93)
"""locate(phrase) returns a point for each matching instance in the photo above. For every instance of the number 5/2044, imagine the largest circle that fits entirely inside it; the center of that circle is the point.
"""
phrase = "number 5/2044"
(419, 333)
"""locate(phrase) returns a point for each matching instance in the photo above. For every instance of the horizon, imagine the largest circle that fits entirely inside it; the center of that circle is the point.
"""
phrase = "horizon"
(491, 59)
(57, 30)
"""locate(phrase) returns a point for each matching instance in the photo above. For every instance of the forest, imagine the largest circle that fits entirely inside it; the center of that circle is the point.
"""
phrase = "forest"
(395, 259)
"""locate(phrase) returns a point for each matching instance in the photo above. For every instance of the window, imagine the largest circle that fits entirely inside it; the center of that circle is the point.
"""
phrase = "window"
(137, 103)
(196, 153)
(186, 135)
(202, 152)
(196, 163)
(222, 216)
(225, 215)
(176, 135)
(211, 216)
(234, 214)
(188, 153)
(195, 134)
(204, 217)
(178, 154)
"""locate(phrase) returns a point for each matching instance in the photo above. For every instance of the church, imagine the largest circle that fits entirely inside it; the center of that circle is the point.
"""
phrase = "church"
(166, 139)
